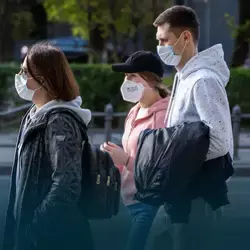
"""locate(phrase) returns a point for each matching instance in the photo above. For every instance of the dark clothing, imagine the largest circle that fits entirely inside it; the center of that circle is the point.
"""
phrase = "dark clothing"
(46, 214)
(170, 168)
(167, 160)
(209, 184)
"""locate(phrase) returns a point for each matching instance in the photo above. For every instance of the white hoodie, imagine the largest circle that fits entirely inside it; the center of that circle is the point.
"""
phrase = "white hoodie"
(199, 95)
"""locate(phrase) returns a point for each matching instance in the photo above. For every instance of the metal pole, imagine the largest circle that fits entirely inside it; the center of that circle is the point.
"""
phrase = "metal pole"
(236, 119)
(108, 121)
(207, 22)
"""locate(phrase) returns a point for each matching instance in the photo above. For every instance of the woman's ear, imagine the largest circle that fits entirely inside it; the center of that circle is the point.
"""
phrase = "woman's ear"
(41, 80)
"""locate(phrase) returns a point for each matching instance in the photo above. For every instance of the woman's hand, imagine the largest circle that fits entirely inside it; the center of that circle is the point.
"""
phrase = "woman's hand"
(118, 155)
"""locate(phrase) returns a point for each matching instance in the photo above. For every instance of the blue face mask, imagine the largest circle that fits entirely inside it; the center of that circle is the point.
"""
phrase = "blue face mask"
(167, 55)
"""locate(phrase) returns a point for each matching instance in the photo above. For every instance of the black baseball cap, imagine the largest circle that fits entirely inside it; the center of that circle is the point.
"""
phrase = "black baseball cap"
(141, 61)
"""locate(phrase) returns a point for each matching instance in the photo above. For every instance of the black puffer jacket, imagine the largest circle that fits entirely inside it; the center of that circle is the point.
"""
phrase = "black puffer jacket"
(170, 168)
(44, 213)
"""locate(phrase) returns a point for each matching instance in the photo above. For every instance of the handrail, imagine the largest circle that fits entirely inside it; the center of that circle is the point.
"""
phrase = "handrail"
(109, 114)
(27, 105)
(245, 116)
(103, 114)
(15, 110)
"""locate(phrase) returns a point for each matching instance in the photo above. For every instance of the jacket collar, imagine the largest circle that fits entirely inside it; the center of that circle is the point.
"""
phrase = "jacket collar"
(41, 121)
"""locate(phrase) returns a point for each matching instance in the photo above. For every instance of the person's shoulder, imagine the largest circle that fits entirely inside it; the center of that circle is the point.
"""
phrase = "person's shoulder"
(207, 82)
(60, 116)
(65, 122)
(204, 76)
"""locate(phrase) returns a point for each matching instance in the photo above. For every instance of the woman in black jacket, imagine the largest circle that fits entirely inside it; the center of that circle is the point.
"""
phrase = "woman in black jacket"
(43, 211)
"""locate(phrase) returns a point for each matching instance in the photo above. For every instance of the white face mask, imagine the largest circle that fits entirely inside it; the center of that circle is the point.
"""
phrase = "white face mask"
(167, 54)
(21, 87)
(132, 91)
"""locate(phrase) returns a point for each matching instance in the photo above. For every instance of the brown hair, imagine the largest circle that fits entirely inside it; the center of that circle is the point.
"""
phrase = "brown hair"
(180, 17)
(155, 82)
(49, 67)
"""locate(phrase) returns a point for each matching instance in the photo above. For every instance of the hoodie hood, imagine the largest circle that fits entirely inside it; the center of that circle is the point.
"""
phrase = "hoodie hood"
(210, 59)
(74, 105)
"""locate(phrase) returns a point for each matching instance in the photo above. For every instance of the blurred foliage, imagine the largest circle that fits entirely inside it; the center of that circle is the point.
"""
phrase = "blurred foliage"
(237, 30)
(7, 88)
(98, 83)
(84, 15)
(238, 88)
(3, 23)
(169, 80)
(22, 25)
(100, 86)
(116, 20)
(240, 33)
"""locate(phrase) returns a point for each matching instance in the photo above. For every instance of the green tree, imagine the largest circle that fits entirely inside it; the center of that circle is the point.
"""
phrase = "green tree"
(98, 20)
(241, 33)
(22, 25)
(4, 8)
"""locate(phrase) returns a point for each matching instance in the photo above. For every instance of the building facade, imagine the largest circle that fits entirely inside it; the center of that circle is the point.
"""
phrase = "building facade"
(213, 24)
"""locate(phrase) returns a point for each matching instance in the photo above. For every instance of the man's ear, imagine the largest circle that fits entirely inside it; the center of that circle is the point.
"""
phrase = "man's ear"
(187, 35)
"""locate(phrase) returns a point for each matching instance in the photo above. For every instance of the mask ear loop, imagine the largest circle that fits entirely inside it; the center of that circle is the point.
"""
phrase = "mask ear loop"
(178, 41)
(184, 49)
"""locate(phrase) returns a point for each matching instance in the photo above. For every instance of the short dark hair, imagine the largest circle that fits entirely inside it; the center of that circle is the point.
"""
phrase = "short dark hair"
(181, 17)
(48, 62)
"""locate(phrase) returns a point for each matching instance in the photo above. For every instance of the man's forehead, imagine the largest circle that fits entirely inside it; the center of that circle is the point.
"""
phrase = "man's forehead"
(162, 31)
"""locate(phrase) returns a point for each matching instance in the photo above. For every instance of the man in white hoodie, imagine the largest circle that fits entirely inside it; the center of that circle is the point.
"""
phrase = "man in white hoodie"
(198, 92)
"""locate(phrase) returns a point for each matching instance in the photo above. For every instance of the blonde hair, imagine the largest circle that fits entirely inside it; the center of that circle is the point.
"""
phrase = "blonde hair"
(155, 82)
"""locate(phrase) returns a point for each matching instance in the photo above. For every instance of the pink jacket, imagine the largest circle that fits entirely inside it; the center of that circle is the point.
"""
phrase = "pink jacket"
(154, 118)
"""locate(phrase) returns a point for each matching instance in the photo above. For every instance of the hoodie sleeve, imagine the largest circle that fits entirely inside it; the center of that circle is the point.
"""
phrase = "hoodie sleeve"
(211, 102)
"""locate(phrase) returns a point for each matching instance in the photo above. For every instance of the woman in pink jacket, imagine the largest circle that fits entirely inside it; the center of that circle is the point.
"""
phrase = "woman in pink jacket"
(142, 85)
